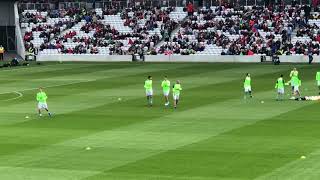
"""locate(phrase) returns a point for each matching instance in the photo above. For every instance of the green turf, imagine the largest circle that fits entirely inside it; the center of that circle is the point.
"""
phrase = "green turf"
(214, 133)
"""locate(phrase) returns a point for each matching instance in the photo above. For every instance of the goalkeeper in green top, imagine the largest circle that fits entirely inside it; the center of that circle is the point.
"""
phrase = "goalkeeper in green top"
(149, 90)
(42, 102)
(166, 90)
(176, 93)
(280, 88)
(318, 80)
(247, 86)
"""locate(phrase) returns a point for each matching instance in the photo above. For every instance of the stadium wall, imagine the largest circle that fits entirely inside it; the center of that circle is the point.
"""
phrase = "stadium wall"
(298, 59)
(7, 25)
(151, 58)
(173, 58)
(85, 58)
(6, 13)
(21, 51)
(202, 58)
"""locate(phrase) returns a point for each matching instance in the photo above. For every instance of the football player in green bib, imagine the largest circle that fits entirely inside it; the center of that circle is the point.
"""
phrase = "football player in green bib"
(42, 102)
(293, 74)
(247, 86)
(149, 90)
(280, 88)
(296, 83)
(166, 90)
(318, 80)
(176, 93)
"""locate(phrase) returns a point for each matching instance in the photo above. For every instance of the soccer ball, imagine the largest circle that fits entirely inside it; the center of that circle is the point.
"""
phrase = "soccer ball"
(119, 99)
(262, 102)
(88, 148)
(27, 117)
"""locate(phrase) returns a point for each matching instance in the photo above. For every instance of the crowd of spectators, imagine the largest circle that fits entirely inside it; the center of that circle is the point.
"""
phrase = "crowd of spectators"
(258, 30)
(281, 30)
(65, 19)
(268, 31)
(151, 17)
(143, 20)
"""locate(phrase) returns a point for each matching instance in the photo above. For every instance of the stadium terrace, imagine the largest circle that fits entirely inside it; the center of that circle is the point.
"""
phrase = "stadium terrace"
(144, 29)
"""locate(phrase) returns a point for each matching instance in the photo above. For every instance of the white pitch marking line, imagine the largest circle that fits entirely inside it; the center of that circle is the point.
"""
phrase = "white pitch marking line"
(20, 95)
(63, 84)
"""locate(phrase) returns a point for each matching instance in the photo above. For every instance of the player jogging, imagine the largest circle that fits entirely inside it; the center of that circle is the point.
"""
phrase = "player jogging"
(149, 90)
(166, 90)
(318, 80)
(247, 86)
(42, 101)
(280, 88)
(293, 73)
(176, 93)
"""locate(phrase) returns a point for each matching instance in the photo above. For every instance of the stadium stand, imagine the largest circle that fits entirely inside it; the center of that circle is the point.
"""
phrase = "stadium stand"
(79, 31)
(252, 30)
(216, 30)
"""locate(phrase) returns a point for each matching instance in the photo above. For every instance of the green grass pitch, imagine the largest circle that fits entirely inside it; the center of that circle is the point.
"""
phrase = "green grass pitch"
(214, 133)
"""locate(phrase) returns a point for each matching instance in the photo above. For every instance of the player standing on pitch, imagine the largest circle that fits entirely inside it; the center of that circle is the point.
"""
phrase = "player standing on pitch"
(318, 80)
(296, 83)
(149, 90)
(176, 93)
(280, 88)
(42, 101)
(166, 90)
(247, 86)
(293, 73)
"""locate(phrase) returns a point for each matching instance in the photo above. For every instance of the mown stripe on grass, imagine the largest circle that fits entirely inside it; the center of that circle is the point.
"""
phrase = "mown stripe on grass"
(216, 128)
(56, 160)
(96, 97)
(146, 176)
(22, 173)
